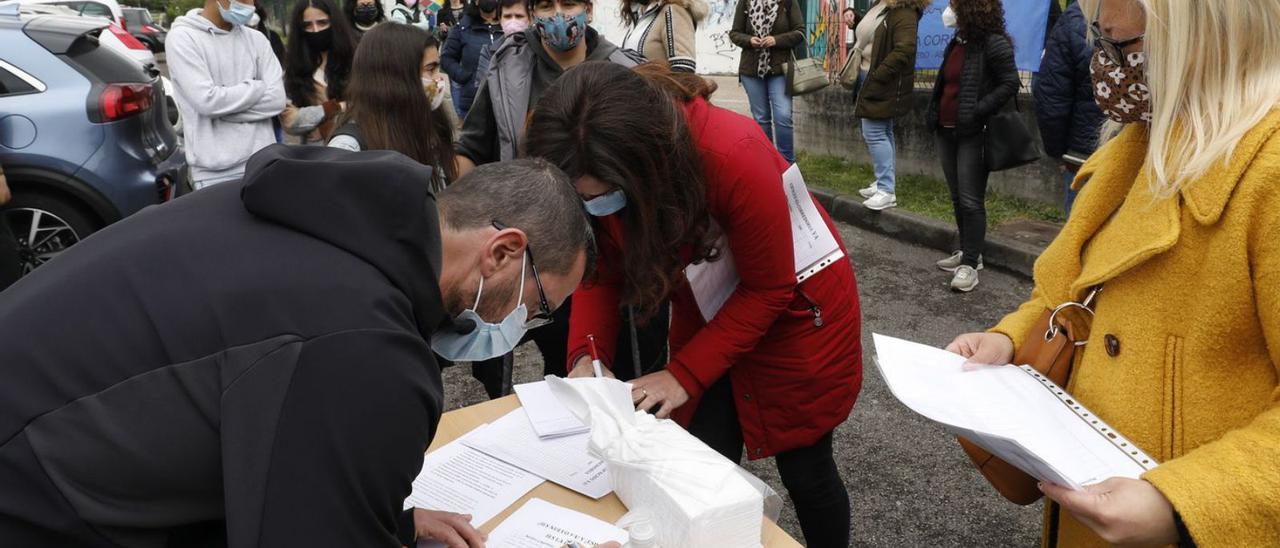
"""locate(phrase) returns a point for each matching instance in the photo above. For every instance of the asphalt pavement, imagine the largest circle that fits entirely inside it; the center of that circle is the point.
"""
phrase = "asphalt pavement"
(909, 482)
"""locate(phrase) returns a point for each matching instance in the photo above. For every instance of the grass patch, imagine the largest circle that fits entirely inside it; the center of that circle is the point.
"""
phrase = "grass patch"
(917, 193)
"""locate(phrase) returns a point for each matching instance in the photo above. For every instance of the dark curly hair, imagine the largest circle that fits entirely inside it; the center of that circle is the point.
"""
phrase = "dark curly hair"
(587, 124)
(978, 19)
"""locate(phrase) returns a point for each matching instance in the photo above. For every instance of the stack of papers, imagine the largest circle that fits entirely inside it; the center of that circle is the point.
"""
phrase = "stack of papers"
(563, 459)
(540, 524)
(456, 478)
(1013, 412)
(549, 418)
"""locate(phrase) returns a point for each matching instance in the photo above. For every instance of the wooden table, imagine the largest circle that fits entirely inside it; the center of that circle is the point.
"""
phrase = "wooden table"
(457, 423)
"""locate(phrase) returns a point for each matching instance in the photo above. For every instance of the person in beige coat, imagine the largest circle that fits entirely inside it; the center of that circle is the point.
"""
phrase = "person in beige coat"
(664, 31)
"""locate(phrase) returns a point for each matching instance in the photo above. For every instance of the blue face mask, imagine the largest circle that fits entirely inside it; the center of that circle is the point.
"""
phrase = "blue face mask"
(236, 13)
(605, 205)
(562, 33)
(487, 340)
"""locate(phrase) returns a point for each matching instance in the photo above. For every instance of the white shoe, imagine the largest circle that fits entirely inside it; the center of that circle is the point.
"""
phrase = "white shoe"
(950, 264)
(869, 191)
(881, 201)
(965, 280)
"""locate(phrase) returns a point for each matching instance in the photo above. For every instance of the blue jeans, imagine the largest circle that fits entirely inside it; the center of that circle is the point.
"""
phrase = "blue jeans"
(878, 135)
(771, 107)
(1067, 178)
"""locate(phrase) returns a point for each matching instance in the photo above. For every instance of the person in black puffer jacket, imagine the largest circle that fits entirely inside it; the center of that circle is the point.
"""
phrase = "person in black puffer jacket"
(977, 79)
(1069, 119)
(461, 54)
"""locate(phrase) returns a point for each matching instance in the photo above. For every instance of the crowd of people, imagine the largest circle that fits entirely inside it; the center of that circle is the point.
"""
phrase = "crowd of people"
(469, 179)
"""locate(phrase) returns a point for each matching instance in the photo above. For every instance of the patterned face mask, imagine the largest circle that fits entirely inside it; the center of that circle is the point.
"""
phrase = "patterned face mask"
(1121, 89)
(562, 32)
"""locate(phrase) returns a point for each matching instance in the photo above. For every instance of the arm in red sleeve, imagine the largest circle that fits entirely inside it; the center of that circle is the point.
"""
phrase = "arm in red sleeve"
(751, 208)
(595, 303)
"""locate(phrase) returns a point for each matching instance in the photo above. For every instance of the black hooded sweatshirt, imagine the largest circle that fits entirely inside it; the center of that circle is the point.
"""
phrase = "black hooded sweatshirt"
(246, 366)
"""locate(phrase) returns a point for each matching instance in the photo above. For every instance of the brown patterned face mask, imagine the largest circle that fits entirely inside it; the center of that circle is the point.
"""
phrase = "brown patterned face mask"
(1121, 89)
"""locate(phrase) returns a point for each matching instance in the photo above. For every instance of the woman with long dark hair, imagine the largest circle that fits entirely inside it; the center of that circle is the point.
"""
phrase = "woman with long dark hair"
(778, 364)
(318, 64)
(397, 100)
(977, 79)
(364, 15)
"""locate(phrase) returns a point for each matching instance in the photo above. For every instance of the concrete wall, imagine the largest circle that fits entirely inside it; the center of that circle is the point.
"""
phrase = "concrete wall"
(825, 124)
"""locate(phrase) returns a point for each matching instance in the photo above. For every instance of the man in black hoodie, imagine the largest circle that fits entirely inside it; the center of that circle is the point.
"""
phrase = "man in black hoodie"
(250, 365)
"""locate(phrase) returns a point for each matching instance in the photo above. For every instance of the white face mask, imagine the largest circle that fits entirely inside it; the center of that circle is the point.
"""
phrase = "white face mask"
(435, 89)
(949, 18)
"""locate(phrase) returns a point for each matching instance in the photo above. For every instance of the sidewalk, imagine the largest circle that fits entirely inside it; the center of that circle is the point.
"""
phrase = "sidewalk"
(1012, 246)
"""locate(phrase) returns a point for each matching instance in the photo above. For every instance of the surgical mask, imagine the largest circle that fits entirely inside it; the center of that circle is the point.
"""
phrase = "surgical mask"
(435, 91)
(949, 18)
(605, 205)
(320, 40)
(366, 14)
(487, 340)
(410, 3)
(236, 14)
(253, 21)
(560, 32)
(514, 26)
(1120, 90)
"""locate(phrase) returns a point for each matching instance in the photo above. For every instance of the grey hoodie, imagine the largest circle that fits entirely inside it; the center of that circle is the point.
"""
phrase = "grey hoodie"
(228, 86)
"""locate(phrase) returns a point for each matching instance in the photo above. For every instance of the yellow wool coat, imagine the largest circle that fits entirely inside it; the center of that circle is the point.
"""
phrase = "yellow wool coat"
(1191, 308)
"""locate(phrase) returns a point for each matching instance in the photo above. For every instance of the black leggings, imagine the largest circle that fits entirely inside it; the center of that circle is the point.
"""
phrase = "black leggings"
(809, 473)
(966, 171)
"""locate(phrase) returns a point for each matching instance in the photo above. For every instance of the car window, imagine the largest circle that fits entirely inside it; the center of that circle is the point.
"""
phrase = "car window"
(10, 84)
(134, 18)
(94, 9)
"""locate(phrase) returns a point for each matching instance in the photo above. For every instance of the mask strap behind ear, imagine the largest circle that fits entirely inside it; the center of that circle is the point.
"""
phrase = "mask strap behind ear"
(523, 260)
(476, 306)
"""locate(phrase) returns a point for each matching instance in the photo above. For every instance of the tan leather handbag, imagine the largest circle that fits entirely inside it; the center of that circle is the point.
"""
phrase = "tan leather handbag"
(1050, 348)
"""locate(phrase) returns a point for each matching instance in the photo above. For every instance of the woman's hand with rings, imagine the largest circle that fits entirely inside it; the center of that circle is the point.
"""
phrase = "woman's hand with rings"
(660, 390)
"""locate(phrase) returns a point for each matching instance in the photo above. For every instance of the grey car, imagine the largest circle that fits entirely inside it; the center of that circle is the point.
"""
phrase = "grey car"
(84, 135)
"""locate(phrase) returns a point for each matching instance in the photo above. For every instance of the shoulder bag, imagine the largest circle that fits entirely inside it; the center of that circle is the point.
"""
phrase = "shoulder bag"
(1008, 141)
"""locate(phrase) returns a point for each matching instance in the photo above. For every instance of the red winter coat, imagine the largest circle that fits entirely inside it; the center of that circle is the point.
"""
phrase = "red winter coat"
(792, 381)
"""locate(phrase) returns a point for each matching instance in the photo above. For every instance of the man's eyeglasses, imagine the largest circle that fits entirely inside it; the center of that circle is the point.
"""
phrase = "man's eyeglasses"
(543, 315)
(1113, 49)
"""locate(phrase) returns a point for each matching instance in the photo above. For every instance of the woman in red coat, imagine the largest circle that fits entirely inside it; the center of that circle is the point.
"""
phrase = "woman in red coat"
(666, 175)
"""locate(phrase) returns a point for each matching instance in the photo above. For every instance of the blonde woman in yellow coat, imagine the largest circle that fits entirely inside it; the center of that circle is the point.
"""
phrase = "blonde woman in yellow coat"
(1180, 225)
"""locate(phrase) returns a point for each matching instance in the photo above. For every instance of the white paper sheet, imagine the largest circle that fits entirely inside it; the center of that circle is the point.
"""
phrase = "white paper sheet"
(547, 415)
(563, 460)
(1011, 412)
(540, 524)
(812, 242)
(456, 478)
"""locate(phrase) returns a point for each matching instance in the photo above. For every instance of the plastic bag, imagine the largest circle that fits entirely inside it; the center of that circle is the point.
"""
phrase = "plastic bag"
(694, 495)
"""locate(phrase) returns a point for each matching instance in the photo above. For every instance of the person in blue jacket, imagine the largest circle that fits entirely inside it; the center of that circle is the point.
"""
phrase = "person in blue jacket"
(1069, 119)
(461, 56)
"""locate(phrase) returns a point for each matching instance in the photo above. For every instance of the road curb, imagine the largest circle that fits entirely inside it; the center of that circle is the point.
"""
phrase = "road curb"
(1006, 254)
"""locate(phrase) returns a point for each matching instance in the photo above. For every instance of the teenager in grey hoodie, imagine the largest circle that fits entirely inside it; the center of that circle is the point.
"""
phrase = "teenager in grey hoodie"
(228, 86)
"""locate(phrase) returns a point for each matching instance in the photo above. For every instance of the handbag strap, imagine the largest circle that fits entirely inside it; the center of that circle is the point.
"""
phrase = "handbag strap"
(1086, 305)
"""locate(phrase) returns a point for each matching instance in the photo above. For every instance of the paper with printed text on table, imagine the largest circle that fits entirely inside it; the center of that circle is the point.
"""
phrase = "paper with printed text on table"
(540, 524)
(457, 478)
(563, 460)
(813, 244)
(1011, 411)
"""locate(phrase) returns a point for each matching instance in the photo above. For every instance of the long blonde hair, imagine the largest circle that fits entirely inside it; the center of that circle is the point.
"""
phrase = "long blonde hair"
(1213, 67)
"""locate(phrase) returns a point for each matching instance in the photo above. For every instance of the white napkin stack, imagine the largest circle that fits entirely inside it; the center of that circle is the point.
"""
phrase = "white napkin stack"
(695, 496)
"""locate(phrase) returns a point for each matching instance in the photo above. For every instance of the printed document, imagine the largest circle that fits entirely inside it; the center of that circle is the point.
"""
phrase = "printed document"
(457, 478)
(815, 248)
(563, 460)
(549, 417)
(540, 524)
(1011, 411)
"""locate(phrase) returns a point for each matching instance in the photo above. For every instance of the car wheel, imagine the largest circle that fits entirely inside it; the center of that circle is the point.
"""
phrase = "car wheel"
(44, 226)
